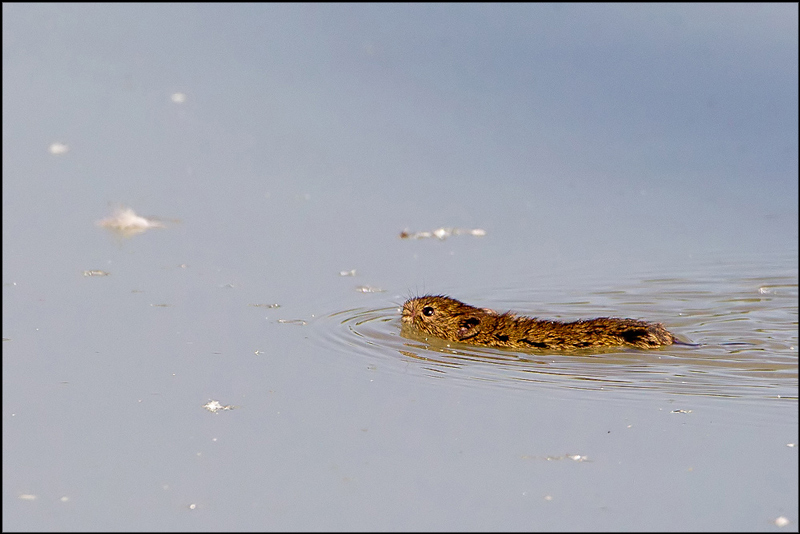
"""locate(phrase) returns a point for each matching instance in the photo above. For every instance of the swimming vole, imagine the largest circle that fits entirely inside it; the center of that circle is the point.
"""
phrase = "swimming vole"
(450, 319)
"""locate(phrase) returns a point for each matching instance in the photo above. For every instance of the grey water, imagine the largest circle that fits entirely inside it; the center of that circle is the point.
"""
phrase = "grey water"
(634, 161)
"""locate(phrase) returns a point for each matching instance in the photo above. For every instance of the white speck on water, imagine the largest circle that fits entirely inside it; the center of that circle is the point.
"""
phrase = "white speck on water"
(215, 406)
(573, 457)
(369, 289)
(95, 273)
(781, 521)
(292, 321)
(442, 233)
(127, 223)
(58, 149)
(178, 98)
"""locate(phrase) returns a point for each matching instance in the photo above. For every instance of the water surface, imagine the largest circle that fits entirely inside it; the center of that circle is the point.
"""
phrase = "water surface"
(634, 161)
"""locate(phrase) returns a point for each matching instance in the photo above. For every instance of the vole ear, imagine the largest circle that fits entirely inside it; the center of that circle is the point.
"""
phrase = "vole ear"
(468, 327)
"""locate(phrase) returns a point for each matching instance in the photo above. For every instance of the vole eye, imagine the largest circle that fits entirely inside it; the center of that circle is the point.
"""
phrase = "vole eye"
(427, 311)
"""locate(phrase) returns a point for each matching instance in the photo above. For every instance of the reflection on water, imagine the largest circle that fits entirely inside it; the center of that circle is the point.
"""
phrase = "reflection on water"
(745, 331)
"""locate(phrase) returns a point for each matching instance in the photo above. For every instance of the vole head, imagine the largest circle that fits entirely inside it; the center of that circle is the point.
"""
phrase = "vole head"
(443, 317)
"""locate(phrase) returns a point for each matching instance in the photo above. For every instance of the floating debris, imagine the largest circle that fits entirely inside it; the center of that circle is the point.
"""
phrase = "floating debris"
(178, 98)
(573, 457)
(265, 305)
(681, 411)
(370, 289)
(442, 233)
(28, 497)
(292, 321)
(95, 273)
(351, 272)
(58, 149)
(781, 521)
(127, 223)
(215, 406)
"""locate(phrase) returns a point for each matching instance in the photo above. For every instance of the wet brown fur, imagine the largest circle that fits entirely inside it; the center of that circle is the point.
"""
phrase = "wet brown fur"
(450, 319)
